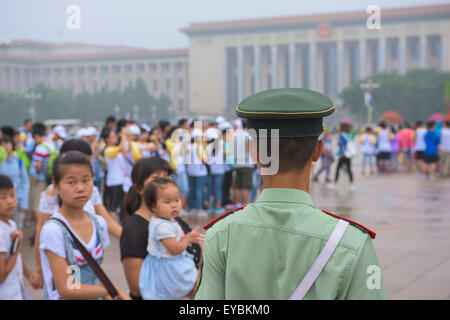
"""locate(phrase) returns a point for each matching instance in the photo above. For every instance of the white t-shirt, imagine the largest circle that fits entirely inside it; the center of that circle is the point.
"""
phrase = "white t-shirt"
(445, 140)
(420, 140)
(216, 162)
(50, 205)
(116, 172)
(10, 289)
(178, 149)
(367, 144)
(164, 231)
(241, 152)
(52, 239)
(195, 166)
(384, 143)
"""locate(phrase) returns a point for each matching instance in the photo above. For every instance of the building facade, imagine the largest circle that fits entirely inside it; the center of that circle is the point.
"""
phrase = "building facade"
(228, 61)
(324, 52)
(88, 69)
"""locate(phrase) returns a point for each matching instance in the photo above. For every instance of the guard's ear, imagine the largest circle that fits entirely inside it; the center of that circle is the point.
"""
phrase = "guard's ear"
(318, 150)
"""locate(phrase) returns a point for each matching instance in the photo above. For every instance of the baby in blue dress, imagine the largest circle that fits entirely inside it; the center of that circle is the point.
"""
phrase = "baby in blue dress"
(168, 271)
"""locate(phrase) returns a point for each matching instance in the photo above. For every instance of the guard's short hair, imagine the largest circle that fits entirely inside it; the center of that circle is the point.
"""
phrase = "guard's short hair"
(294, 153)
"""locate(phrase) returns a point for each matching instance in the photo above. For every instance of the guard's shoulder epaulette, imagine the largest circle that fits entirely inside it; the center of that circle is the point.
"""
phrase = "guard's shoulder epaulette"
(209, 225)
(356, 224)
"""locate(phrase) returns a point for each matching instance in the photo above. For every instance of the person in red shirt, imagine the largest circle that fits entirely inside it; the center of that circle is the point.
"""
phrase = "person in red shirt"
(406, 144)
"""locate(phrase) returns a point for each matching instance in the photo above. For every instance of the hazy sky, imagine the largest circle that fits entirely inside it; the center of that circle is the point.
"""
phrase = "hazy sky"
(154, 24)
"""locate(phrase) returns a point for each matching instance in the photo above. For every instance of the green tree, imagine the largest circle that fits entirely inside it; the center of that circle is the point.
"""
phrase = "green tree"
(415, 95)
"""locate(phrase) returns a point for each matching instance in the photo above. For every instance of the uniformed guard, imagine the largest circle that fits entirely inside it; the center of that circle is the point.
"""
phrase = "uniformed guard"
(282, 246)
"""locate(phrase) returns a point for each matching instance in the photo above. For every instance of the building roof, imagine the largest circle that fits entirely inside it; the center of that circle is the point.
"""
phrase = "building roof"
(315, 19)
(38, 51)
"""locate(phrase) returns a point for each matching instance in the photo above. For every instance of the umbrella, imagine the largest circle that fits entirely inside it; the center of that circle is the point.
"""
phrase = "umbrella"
(448, 116)
(392, 117)
(347, 121)
(437, 117)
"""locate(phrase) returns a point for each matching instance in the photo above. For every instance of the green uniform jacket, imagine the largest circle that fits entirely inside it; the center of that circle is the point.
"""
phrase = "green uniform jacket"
(264, 250)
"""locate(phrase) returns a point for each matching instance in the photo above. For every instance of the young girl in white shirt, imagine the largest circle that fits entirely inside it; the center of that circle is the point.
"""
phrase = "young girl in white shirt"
(66, 273)
(168, 271)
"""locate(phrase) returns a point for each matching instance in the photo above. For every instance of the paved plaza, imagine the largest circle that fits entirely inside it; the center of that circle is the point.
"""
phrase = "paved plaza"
(411, 217)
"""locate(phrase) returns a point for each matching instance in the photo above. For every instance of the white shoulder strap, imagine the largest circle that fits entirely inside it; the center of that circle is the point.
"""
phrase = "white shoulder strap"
(321, 261)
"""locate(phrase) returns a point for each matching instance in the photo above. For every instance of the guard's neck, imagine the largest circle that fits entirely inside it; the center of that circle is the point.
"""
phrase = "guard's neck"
(292, 180)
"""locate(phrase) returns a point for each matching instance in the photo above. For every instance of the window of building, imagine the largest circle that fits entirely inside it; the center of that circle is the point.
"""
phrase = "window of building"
(92, 70)
(155, 85)
(167, 84)
(128, 68)
(415, 49)
(80, 70)
(435, 47)
(180, 84)
(118, 86)
(394, 50)
(140, 67)
(105, 69)
(166, 66)
(116, 69)
(69, 71)
(180, 104)
(153, 67)
(179, 66)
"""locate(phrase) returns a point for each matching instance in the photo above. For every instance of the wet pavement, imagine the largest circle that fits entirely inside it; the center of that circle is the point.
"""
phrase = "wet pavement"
(410, 215)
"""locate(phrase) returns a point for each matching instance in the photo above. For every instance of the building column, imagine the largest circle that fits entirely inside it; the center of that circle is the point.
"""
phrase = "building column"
(257, 68)
(362, 58)
(274, 65)
(312, 65)
(444, 44)
(292, 65)
(423, 51)
(240, 73)
(382, 54)
(340, 66)
(402, 55)
(224, 80)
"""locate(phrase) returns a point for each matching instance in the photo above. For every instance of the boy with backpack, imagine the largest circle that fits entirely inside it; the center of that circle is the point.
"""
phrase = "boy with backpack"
(15, 169)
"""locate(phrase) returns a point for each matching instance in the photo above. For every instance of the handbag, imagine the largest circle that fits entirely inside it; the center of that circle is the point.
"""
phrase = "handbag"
(101, 275)
(350, 150)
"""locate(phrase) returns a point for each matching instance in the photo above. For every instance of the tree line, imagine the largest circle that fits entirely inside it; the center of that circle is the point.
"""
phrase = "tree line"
(89, 108)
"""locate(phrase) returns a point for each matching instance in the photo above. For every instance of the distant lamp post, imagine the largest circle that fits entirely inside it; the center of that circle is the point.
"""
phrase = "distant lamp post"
(33, 97)
(368, 87)
(153, 111)
(116, 111)
(136, 113)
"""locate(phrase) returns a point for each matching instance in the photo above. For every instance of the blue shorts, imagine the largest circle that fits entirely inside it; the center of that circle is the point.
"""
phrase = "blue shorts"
(367, 159)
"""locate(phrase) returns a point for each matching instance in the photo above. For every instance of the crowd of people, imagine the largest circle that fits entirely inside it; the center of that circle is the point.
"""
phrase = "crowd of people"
(136, 184)
(192, 174)
(387, 148)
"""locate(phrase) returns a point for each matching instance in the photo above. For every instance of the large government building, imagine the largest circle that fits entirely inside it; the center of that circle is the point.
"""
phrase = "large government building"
(227, 61)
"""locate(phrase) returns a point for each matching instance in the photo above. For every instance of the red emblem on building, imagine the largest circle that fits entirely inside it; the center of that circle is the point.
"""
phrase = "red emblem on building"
(324, 30)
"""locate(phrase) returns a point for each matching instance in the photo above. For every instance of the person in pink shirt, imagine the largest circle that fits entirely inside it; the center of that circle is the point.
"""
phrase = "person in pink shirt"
(406, 144)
